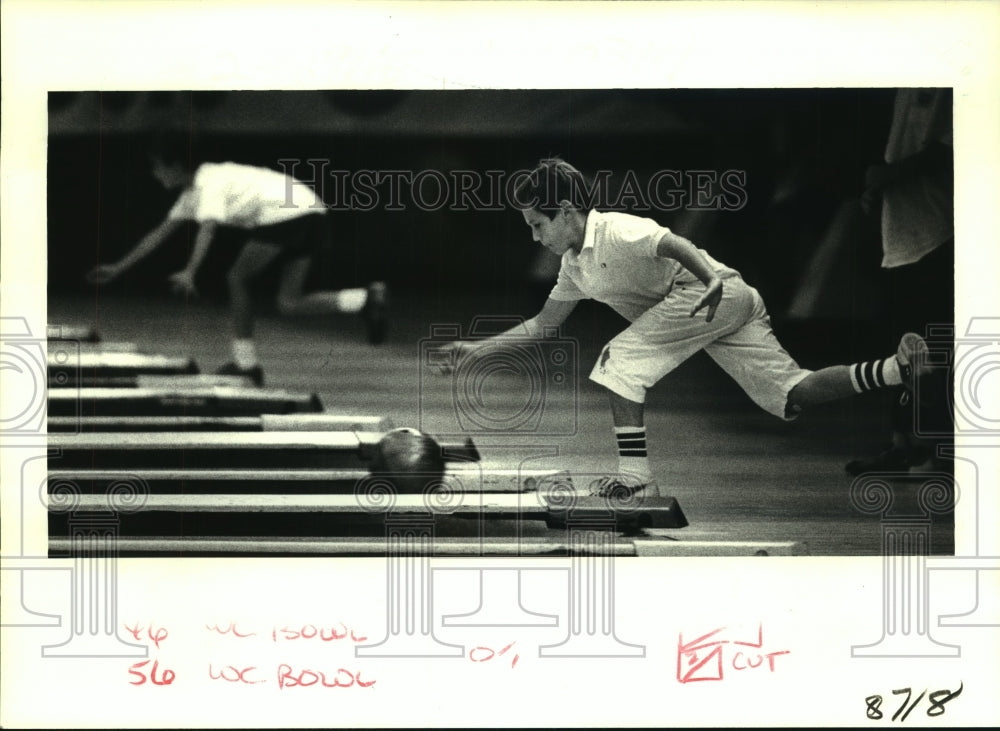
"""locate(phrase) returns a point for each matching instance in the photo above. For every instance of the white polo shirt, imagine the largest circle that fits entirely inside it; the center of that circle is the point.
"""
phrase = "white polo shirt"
(244, 196)
(618, 265)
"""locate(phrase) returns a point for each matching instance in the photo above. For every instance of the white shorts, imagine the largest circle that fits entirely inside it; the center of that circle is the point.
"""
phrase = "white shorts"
(739, 339)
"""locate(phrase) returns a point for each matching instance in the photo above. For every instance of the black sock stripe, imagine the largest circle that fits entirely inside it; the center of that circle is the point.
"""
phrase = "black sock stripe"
(630, 442)
(631, 452)
(859, 377)
(632, 435)
(863, 376)
(870, 374)
(879, 376)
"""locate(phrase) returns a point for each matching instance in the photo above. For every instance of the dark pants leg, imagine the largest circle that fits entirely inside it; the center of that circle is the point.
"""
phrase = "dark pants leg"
(922, 300)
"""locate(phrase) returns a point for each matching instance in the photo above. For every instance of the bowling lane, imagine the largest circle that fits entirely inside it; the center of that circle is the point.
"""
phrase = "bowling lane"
(738, 474)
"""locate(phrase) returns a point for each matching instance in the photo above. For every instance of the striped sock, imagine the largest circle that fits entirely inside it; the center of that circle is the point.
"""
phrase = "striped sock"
(872, 374)
(632, 459)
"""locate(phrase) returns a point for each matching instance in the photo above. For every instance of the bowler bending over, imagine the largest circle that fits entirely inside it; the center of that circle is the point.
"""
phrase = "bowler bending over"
(660, 282)
(284, 223)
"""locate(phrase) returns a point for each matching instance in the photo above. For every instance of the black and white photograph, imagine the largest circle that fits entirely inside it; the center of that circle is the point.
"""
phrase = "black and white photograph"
(760, 275)
(445, 359)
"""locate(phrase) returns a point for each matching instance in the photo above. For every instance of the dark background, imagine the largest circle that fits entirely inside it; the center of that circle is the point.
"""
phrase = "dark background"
(804, 152)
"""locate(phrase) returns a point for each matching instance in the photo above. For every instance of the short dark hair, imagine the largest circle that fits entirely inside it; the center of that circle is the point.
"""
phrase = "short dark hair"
(172, 147)
(552, 181)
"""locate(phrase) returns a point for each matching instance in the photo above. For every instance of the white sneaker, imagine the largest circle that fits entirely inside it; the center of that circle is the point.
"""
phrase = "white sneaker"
(622, 488)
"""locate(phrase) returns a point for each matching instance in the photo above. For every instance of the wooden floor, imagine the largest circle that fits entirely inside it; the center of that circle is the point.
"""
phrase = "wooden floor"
(738, 473)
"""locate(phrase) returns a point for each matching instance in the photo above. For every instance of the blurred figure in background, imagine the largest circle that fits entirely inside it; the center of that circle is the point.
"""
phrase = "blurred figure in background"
(284, 223)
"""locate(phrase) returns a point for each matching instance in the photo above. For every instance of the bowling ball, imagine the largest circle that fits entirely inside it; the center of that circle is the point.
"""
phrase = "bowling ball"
(409, 458)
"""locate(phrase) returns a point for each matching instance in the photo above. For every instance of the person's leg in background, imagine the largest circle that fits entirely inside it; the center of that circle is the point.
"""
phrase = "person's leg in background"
(920, 298)
(925, 292)
(254, 258)
(370, 302)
